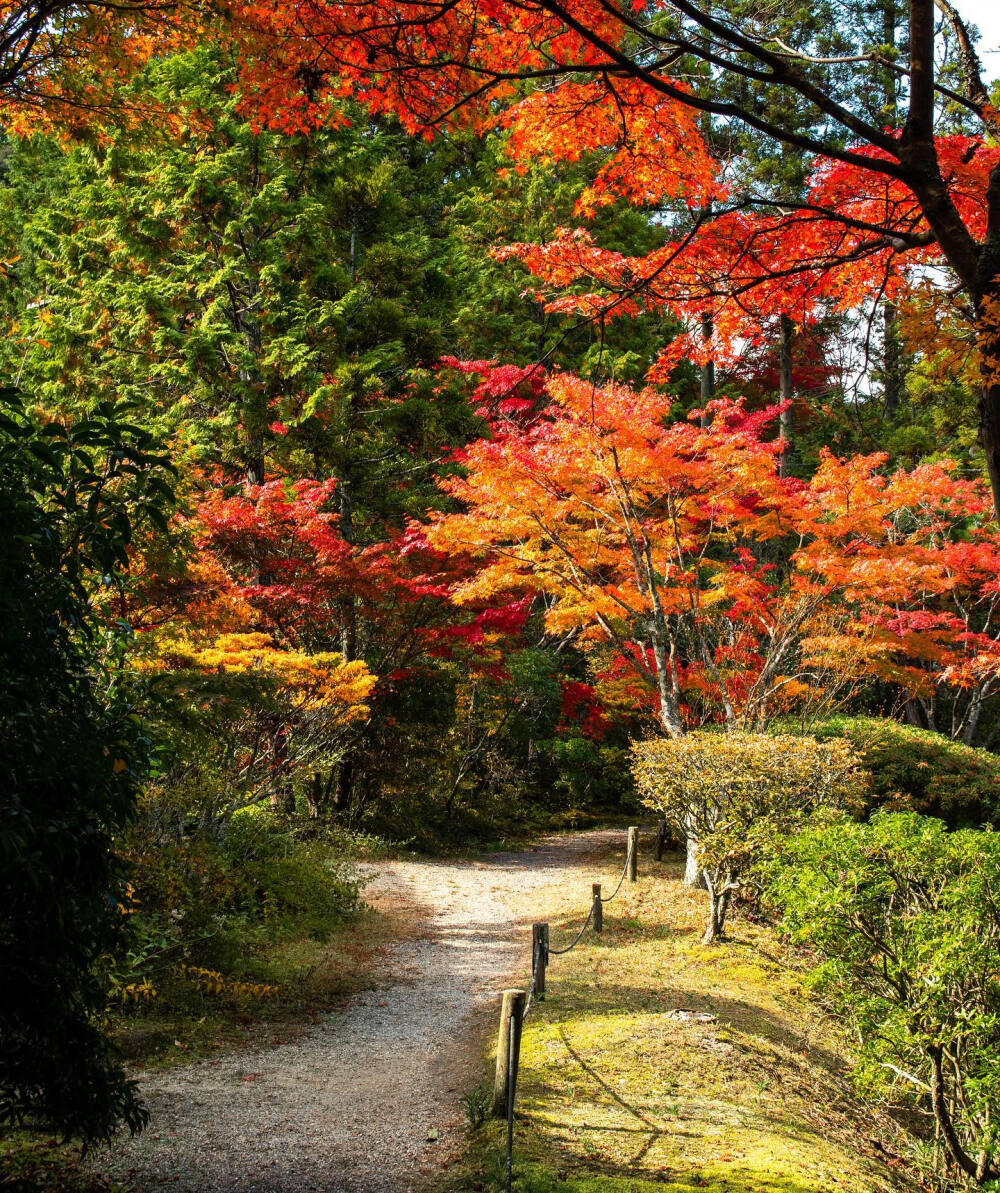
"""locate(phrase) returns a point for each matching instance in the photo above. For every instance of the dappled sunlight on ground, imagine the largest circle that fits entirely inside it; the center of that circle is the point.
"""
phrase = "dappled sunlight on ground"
(655, 1060)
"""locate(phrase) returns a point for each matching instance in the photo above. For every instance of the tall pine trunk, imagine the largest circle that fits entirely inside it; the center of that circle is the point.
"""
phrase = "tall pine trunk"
(346, 769)
(989, 401)
(785, 392)
(892, 359)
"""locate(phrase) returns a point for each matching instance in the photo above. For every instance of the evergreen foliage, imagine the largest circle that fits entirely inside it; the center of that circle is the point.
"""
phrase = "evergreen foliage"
(72, 759)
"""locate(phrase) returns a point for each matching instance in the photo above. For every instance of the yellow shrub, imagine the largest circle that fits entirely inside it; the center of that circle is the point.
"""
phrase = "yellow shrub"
(734, 770)
(723, 792)
(210, 981)
(137, 992)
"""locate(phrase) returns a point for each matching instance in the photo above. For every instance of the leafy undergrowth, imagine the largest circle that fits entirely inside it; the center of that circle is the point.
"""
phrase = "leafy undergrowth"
(308, 978)
(657, 1063)
(272, 994)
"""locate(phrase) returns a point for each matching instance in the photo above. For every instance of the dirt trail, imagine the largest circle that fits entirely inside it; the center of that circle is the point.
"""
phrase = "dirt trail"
(369, 1102)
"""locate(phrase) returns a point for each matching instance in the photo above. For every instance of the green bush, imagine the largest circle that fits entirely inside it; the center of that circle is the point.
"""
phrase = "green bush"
(215, 905)
(921, 771)
(906, 917)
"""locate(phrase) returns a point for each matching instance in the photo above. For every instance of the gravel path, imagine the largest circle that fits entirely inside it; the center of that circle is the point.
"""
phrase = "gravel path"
(369, 1102)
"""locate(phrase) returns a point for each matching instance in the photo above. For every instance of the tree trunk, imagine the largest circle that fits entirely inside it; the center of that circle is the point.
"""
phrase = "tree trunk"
(972, 716)
(920, 713)
(345, 784)
(692, 871)
(254, 467)
(945, 1123)
(988, 339)
(989, 429)
(670, 716)
(349, 613)
(348, 635)
(718, 905)
(892, 359)
(282, 797)
(785, 392)
(314, 797)
(707, 372)
(254, 473)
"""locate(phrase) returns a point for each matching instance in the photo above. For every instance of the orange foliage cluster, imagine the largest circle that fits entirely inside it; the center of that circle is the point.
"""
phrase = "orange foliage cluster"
(915, 557)
(656, 149)
(741, 269)
(725, 589)
(62, 63)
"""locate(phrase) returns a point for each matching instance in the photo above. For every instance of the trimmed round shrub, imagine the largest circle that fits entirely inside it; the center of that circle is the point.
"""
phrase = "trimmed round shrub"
(918, 770)
(726, 792)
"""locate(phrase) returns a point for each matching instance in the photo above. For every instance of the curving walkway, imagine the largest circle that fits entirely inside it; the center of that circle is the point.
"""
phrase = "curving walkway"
(370, 1101)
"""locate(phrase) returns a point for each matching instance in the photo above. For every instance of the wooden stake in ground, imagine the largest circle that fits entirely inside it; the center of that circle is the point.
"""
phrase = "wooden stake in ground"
(633, 852)
(598, 909)
(511, 1007)
(539, 955)
(661, 839)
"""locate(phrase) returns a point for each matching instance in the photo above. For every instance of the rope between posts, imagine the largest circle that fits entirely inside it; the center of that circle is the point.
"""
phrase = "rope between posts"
(578, 938)
(628, 858)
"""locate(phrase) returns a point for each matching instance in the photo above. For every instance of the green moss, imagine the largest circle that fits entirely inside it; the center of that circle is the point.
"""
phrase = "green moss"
(533, 1179)
(655, 1062)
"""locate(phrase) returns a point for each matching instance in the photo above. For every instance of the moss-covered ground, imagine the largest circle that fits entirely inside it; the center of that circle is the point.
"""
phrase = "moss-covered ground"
(655, 1062)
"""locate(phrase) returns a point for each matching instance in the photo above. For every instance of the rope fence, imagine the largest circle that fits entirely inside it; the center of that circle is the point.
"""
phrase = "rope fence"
(516, 1004)
(576, 939)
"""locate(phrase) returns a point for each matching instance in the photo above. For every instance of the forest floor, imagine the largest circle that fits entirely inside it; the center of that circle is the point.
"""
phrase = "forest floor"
(653, 1063)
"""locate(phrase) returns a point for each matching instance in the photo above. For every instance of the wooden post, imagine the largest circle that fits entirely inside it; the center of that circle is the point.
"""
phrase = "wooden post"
(512, 1008)
(539, 955)
(633, 852)
(598, 909)
(661, 838)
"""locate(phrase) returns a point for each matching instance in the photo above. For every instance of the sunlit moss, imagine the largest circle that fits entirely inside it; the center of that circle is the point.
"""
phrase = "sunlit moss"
(657, 1063)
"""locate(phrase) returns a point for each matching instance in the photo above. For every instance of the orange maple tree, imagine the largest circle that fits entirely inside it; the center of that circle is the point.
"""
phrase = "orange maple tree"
(729, 592)
(647, 534)
(914, 560)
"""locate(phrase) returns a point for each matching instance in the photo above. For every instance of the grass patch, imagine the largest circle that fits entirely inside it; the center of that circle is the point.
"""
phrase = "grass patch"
(657, 1062)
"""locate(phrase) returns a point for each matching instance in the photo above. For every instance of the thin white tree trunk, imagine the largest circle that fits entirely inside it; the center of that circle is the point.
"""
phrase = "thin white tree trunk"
(692, 871)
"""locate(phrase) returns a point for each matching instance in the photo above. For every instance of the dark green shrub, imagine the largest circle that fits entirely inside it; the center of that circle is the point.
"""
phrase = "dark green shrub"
(905, 917)
(72, 758)
(922, 771)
